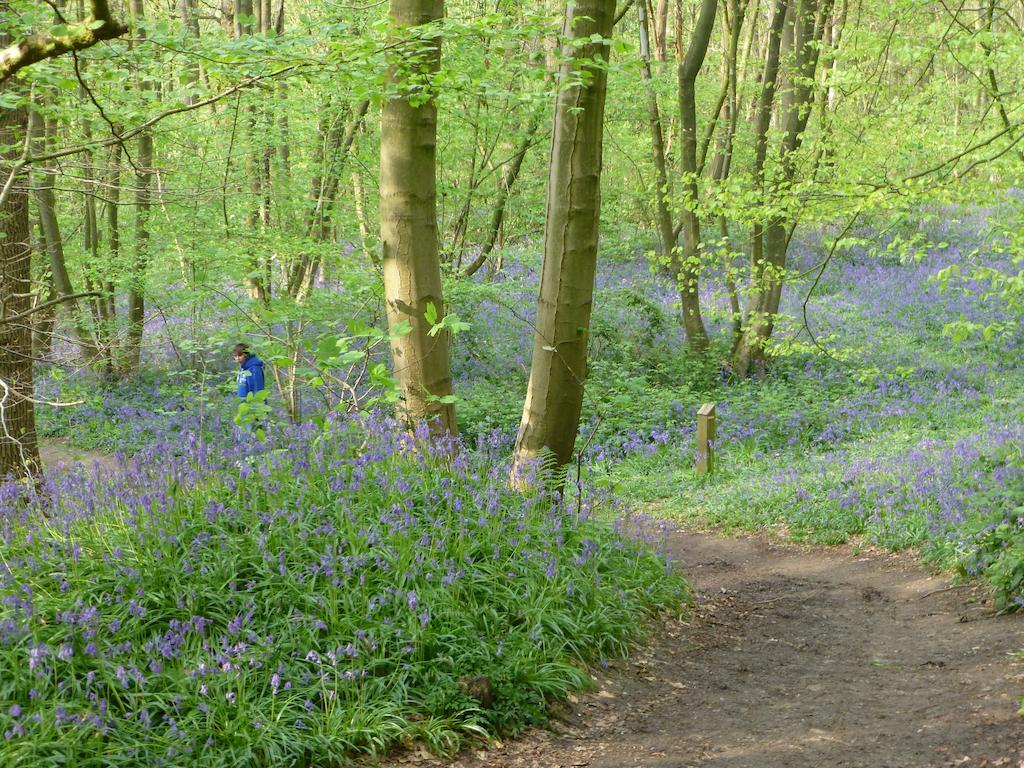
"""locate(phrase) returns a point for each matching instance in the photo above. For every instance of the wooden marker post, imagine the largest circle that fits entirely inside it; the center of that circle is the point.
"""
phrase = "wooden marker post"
(706, 439)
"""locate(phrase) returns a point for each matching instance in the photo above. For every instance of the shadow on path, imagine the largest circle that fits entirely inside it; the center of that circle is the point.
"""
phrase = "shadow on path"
(802, 657)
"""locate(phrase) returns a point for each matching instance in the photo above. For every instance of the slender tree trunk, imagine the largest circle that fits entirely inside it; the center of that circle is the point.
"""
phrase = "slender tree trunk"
(190, 71)
(693, 323)
(721, 163)
(140, 257)
(762, 119)
(554, 396)
(809, 24)
(408, 226)
(19, 449)
(43, 320)
(359, 202)
(46, 203)
(509, 175)
(660, 29)
(662, 191)
(113, 241)
(332, 155)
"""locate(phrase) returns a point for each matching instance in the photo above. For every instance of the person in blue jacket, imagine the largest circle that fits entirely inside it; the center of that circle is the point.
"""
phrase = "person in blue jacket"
(250, 371)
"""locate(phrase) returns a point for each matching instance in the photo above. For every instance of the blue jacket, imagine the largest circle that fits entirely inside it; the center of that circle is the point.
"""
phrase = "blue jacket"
(250, 376)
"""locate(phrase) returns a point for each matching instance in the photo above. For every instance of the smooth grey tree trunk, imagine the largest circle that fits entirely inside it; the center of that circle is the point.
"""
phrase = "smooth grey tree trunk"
(408, 224)
(554, 396)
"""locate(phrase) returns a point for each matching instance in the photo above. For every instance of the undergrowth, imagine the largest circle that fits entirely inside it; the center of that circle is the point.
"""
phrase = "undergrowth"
(337, 590)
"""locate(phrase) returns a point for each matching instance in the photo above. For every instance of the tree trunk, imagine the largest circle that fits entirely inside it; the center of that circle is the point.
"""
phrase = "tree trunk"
(359, 203)
(795, 113)
(140, 257)
(509, 175)
(660, 29)
(408, 226)
(113, 241)
(187, 12)
(332, 155)
(721, 163)
(19, 449)
(554, 396)
(46, 203)
(688, 276)
(742, 356)
(662, 191)
(43, 319)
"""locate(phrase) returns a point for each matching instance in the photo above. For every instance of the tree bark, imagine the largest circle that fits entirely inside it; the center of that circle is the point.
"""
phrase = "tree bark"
(96, 27)
(660, 30)
(187, 12)
(359, 204)
(689, 274)
(46, 203)
(554, 396)
(109, 304)
(721, 163)
(140, 257)
(332, 156)
(19, 449)
(408, 224)
(662, 192)
(809, 25)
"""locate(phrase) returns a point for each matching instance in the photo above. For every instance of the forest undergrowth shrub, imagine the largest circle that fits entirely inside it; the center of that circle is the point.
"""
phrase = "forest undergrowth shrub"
(335, 590)
(994, 545)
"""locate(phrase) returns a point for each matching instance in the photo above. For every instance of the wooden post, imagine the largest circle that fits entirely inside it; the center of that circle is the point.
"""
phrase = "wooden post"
(706, 439)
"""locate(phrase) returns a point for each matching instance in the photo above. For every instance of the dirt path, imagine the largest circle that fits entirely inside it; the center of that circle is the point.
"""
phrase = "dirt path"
(55, 452)
(800, 657)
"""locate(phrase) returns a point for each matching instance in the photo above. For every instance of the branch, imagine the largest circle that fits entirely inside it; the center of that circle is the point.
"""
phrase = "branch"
(623, 11)
(92, 29)
(46, 304)
(959, 156)
(132, 132)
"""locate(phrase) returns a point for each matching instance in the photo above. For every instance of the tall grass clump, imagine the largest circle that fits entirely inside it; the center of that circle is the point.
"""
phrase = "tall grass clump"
(338, 590)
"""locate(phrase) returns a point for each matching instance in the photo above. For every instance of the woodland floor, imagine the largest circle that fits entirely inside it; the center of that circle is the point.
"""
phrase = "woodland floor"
(55, 452)
(797, 656)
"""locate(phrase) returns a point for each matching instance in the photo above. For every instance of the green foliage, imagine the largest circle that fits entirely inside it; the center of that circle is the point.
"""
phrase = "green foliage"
(316, 597)
(995, 549)
(252, 413)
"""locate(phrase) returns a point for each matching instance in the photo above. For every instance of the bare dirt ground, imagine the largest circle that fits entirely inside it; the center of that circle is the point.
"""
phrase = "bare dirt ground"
(802, 657)
(55, 452)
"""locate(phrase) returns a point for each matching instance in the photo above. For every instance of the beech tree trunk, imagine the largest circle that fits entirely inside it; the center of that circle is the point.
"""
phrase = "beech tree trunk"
(554, 396)
(660, 29)
(46, 202)
(689, 272)
(19, 449)
(721, 163)
(109, 304)
(771, 242)
(140, 257)
(43, 318)
(662, 192)
(408, 223)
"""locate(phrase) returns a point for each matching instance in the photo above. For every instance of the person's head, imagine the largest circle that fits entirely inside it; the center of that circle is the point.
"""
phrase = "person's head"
(241, 353)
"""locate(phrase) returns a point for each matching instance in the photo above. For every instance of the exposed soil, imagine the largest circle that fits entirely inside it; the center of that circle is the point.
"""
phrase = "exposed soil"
(55, 452)
(809, 657)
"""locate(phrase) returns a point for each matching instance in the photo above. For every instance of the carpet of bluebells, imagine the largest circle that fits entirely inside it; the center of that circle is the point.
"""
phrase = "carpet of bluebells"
(295, 601)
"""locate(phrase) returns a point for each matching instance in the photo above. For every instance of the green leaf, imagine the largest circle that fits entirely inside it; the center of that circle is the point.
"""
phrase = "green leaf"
(430, 313)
